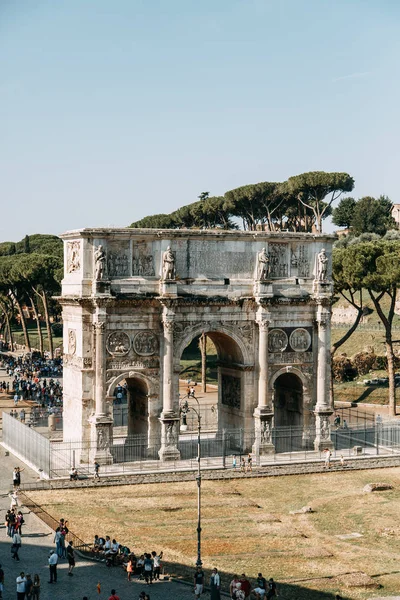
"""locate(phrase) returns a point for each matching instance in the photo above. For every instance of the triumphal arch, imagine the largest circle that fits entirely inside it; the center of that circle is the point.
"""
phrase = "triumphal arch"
(133, 299)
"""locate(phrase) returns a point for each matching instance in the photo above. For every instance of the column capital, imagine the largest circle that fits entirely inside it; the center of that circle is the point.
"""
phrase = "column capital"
(263, 324)
(99, 326)
(169, 324)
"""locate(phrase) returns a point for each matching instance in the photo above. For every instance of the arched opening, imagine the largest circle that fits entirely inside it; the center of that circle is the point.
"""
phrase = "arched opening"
(222, 405)
(288, 401)
(130, 408)
(137, 405)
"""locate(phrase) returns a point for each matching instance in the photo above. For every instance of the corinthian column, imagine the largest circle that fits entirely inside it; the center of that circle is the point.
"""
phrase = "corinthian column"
(168, 365)
(99, 328)
(100, 421)
(263, 413)
(323, 408)
(169, 418)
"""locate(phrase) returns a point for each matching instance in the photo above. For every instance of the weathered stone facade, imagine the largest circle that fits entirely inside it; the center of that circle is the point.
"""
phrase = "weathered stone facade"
(134, 299)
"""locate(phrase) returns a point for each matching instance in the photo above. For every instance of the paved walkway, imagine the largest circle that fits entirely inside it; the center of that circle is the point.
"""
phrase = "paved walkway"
(37, 540)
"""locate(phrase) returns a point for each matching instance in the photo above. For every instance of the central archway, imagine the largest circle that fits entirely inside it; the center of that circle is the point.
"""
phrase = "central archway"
(229, 397)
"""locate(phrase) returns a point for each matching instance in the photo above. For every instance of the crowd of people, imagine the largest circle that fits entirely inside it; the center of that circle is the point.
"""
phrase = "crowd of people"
(33, 379)
(240, 588)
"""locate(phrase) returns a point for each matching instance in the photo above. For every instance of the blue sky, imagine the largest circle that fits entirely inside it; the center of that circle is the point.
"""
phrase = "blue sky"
(112, 110)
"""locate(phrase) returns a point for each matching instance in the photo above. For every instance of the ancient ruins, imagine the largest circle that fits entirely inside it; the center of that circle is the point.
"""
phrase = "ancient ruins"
(134, 299)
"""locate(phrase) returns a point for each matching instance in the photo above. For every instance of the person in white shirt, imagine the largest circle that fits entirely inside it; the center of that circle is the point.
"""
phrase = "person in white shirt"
(21, 581)
(157, 564)
(53, 560)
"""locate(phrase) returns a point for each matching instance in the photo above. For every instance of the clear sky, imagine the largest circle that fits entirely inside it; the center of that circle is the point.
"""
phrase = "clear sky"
(115, 109)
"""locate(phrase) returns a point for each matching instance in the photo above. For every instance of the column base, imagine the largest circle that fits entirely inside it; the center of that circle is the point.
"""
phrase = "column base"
(322, 430)
(263, 445)
(101, 440)
(169, 437)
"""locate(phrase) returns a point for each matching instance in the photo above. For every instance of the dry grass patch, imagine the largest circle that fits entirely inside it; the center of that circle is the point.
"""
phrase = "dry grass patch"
(247, 526)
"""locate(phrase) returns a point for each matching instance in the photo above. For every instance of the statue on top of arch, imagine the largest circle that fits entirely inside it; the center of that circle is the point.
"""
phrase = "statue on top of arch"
(168, 265)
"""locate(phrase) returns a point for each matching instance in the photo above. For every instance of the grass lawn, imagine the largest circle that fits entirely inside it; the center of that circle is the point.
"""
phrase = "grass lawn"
(247, 528)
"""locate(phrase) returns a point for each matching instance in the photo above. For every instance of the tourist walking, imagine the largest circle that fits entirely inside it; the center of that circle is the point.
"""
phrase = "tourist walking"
(28, 587)
(16, 545)
(53, 560)
(70, 558)
(148, 569)
(113, 596)
(1, 582)
(157, 564)
(234, 464)
(328, 455)
(96, 470)
(21, 582)
(198, 582)
(36, 587)
(249, 463)
(215, 585)
(272, 591)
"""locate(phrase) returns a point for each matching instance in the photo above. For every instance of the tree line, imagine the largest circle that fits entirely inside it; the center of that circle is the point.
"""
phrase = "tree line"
(30, 275)
(299, 204)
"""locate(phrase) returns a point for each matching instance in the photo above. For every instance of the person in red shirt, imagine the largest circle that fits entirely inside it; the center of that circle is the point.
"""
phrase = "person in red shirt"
(246, 585)
(113, 596)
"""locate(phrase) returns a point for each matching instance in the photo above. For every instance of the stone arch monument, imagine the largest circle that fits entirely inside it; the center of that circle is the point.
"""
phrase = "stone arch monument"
(133, 299)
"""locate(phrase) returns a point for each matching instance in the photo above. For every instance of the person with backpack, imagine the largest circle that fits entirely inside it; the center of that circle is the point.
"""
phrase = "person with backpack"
(148, 569)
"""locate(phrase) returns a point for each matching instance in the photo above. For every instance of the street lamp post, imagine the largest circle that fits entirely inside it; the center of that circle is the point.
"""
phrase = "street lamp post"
(185, 409)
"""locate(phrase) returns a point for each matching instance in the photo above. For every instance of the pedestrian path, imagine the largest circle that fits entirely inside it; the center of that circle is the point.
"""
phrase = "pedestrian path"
(37, 540)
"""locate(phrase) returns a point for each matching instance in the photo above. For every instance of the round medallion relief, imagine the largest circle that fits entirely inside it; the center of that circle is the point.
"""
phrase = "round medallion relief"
(277, 340)
(118, 343)
(145, 343)
(300, 340)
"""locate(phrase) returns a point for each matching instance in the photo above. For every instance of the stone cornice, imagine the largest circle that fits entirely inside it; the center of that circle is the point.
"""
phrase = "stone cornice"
(170, 234)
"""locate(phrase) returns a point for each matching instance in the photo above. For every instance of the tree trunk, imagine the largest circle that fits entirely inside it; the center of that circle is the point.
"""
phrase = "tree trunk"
(387, 322)
(8, 324)
(390, 368)
(43, 298)
(203, 350)
(39, 329)
(23, 321)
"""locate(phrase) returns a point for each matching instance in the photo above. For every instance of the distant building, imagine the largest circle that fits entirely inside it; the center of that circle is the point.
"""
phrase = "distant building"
(396, 214)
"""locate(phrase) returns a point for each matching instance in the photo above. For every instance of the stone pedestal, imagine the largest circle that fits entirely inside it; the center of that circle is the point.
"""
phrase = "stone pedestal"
(169, 437)
(263, 289)
(322, 430)
(322, 289)
(101, 439)
(263, 429)
(101, 288)
(168, 288)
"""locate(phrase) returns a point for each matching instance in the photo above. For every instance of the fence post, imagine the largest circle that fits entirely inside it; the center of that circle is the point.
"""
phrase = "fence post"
(224, 448)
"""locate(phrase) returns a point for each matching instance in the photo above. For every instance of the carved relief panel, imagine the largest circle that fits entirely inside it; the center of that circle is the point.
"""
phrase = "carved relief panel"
(142, 260)
(230, 391)
(118, 259)
(73, 256)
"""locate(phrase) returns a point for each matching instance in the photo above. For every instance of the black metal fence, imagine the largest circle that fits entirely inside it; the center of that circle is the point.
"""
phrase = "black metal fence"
(141, 454)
